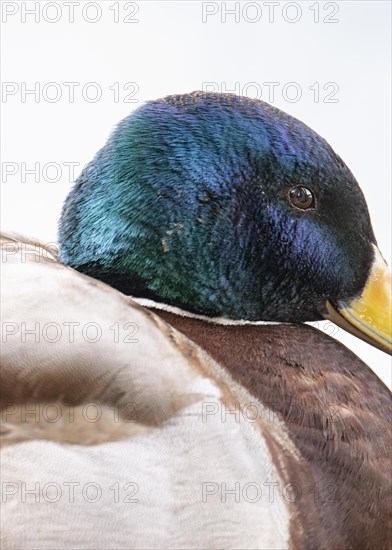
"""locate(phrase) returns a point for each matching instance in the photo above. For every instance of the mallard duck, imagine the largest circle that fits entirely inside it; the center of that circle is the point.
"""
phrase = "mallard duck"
(168, 394)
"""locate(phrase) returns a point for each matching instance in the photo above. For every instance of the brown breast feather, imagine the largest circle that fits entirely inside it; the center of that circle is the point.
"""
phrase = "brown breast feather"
(337, 412)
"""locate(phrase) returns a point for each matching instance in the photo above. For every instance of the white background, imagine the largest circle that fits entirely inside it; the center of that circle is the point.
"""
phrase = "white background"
(170, 49)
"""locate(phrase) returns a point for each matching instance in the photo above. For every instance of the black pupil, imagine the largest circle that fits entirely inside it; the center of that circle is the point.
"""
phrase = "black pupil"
(303, 195)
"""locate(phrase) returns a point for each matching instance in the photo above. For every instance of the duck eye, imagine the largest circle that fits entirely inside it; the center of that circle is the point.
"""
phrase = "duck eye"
(301, 197)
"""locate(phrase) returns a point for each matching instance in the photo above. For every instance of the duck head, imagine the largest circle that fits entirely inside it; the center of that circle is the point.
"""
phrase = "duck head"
(227, 207)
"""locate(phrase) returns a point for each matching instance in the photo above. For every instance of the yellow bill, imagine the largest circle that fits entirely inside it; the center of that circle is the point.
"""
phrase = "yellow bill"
(369, 316)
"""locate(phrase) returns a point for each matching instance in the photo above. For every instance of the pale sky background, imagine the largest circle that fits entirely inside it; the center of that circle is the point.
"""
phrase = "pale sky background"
(166, 48)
